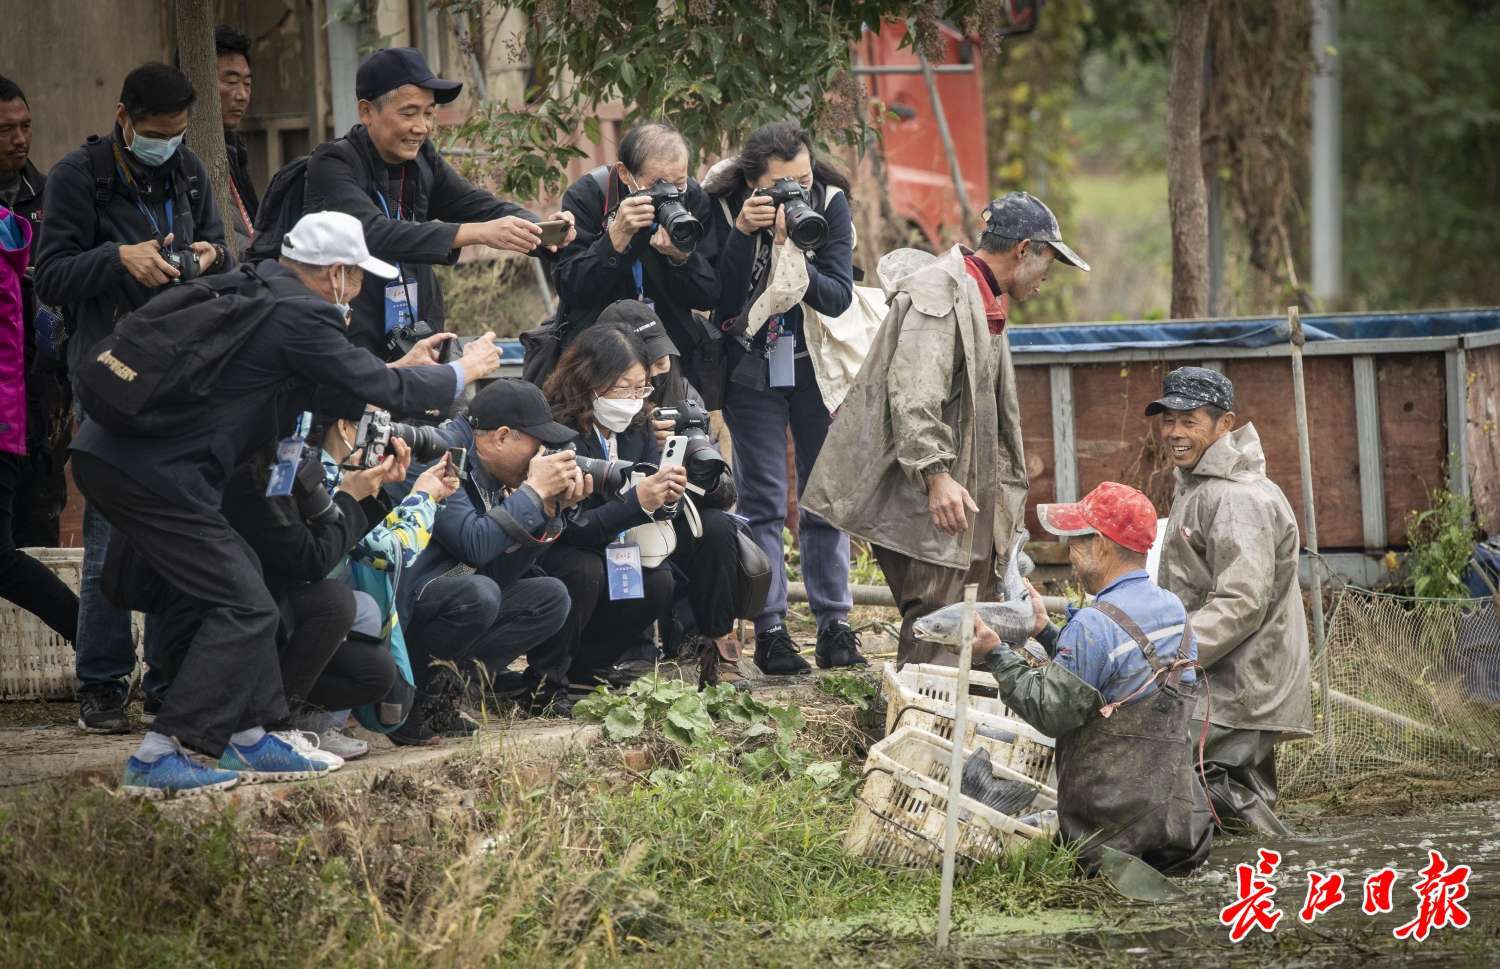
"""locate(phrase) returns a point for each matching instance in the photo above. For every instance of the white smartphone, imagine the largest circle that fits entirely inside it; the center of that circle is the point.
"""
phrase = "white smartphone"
(674, 451)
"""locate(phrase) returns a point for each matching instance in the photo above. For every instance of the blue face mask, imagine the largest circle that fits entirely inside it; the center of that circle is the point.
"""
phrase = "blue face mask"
(154, 151)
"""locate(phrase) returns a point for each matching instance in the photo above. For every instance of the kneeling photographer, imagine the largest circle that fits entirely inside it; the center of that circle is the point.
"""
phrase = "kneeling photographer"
(476, 595)
(642, 226)
(787, 243)
(708, 582)
(619, 586)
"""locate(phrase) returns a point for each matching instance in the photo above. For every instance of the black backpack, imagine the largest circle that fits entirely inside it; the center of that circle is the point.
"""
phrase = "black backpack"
(150, 376)
(280, 208)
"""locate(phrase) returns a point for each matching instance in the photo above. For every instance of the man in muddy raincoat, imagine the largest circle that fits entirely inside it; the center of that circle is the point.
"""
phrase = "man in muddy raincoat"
(1230, 553)
(1118, 694)
(924, 458)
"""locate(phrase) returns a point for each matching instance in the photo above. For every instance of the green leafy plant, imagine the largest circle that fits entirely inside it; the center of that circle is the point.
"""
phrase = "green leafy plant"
(1441, 538)
(684, 715)
(717, 68)
(852, 688)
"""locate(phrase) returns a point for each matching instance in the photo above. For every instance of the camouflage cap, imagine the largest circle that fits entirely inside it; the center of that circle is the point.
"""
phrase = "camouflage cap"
(1022, 216)
(1189, 388)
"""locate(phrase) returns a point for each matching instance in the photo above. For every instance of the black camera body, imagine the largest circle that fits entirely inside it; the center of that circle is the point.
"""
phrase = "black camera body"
(683, 228)
(401, 340)
(610, 477)
(687, 416)
(703, 461)
(185, 261)
(376, 430)
(805, 226)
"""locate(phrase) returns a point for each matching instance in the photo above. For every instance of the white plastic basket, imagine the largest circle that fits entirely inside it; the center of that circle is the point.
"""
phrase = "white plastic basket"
(35, 662)
(903, 807)
(1012, 743)
(933, 688)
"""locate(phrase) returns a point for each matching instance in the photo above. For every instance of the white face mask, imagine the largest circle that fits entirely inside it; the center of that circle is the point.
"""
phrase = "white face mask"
(344, 308)
(616, 415)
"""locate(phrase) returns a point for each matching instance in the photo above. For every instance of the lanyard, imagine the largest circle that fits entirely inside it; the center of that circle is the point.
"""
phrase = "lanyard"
(385, 207)
(146, 209)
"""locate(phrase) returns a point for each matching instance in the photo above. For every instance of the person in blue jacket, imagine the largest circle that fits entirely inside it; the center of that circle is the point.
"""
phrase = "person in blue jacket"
(475, 594)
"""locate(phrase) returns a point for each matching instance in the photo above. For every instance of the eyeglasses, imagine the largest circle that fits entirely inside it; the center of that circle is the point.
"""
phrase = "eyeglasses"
(632, 392)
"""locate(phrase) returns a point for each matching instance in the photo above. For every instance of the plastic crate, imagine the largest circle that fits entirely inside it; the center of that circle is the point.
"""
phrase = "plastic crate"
(35, 662)
(933, 688)
(1012, 743)
(903, 808)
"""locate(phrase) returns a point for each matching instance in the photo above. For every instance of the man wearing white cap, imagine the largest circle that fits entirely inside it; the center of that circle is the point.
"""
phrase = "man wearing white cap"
(173, 551)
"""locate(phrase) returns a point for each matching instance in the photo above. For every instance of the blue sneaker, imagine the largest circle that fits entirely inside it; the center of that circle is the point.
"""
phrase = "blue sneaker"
(270, 759)
(174, 775)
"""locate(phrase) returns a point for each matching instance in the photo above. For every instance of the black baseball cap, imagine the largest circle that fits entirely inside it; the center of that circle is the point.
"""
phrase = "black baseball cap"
(511, 402)
(1189, 388)
(1021, 216)
(641, 318)
(391, 67)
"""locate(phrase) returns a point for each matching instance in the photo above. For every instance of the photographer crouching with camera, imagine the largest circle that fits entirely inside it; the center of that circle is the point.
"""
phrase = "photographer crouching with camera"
(641, 235)
(476, 595)
(613, 555)
(786, 241)
(129, 215)
(166, 433)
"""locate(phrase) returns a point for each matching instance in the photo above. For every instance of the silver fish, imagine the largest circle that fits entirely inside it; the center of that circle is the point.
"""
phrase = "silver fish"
(1011, 620)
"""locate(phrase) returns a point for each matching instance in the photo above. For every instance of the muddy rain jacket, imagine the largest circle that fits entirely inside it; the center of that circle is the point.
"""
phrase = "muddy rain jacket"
(936, 393)
(1230, 554)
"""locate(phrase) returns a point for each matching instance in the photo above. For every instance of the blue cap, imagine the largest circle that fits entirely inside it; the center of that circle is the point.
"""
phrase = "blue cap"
(1021, 216)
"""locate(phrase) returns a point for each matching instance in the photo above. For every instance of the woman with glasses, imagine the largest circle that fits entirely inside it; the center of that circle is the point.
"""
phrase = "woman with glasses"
(600, 389)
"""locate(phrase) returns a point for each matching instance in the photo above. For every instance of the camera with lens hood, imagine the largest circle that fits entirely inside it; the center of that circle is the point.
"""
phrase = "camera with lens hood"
(805, 226)
(376, 430)
(683, 228)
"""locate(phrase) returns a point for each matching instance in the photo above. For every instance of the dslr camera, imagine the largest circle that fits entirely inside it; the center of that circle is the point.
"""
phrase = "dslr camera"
(610, 477)
(702, 460)
(185, 261)
(805, 226)
(401, 340)
(683, 228)
(376, 430)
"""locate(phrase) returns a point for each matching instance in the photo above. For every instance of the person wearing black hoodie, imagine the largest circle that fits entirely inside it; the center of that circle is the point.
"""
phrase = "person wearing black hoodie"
(416, 210)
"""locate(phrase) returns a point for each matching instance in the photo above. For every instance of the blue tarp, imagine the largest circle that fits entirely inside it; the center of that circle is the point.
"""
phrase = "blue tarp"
(1248, 332)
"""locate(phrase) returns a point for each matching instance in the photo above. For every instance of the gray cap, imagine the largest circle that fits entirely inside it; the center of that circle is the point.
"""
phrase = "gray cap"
(1189, 388)
(1022, 216)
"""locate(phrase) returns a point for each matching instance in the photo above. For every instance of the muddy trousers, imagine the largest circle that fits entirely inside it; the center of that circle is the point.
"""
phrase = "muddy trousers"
(919, 589)
(1240, 766)
(229, 678)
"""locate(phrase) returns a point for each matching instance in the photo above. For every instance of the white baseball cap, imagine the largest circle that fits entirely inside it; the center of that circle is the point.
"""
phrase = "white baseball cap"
(327, 238)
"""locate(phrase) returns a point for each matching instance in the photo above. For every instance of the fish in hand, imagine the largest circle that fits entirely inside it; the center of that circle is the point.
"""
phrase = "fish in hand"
(1011, 620)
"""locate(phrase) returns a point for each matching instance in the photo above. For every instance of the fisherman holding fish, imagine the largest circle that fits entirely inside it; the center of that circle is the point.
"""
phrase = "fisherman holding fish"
(924, 460)
(1230, 552)
(1118, 693)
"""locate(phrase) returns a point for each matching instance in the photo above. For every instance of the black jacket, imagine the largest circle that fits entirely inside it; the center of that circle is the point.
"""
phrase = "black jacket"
(239, 173)
(830, 273)
(78, 265)
(601, 518)
(590, 274)
(300, 537)
(299, 348)
(348, 175)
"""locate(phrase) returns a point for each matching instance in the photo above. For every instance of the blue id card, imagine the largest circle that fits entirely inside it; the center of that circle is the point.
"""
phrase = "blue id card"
(622, 562)
(400, 303)
(288, 457)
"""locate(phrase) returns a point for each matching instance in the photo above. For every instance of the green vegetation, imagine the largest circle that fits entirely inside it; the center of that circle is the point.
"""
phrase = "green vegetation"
(1441, 538)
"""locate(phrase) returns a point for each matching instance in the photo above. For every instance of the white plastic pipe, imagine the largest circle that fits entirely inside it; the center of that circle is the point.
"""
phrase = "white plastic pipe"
(956, 762)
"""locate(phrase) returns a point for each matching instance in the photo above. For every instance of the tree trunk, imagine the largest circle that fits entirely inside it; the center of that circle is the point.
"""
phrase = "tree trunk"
(1187, 196)
(200, 62)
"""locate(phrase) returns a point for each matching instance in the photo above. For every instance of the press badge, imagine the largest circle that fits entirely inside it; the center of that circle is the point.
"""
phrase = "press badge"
(400, 303)
(783, 361)
(288, 457)
(622, 561)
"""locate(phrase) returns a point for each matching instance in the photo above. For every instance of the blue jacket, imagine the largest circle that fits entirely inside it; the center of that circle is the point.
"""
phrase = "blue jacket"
(480, 527)
(1103, 655)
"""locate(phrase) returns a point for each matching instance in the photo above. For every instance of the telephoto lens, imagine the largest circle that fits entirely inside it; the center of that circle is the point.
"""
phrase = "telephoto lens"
(425, 442)
(683, 228)
(805, 226)
(609, 476)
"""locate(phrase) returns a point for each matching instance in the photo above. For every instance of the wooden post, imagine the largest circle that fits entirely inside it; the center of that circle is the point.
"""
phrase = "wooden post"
(956, 763)
(1310, 517)
(200, 62)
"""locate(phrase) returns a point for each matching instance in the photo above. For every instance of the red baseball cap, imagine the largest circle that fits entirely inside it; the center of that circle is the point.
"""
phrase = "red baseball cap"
(1118, 512)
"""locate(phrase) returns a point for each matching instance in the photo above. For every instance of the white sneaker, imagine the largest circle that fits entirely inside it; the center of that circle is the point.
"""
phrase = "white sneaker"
(309, 748)
(335, 741)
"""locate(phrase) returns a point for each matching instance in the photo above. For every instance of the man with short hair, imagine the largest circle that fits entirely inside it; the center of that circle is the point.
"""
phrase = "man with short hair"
(1231, 555)
(1118, 694)
(233, 49)
(128, 214)
(417, 211)
(924, 460)
(163, 495)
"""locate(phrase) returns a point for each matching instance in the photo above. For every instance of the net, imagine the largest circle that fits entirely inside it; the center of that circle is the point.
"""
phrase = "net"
(1414, 691)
